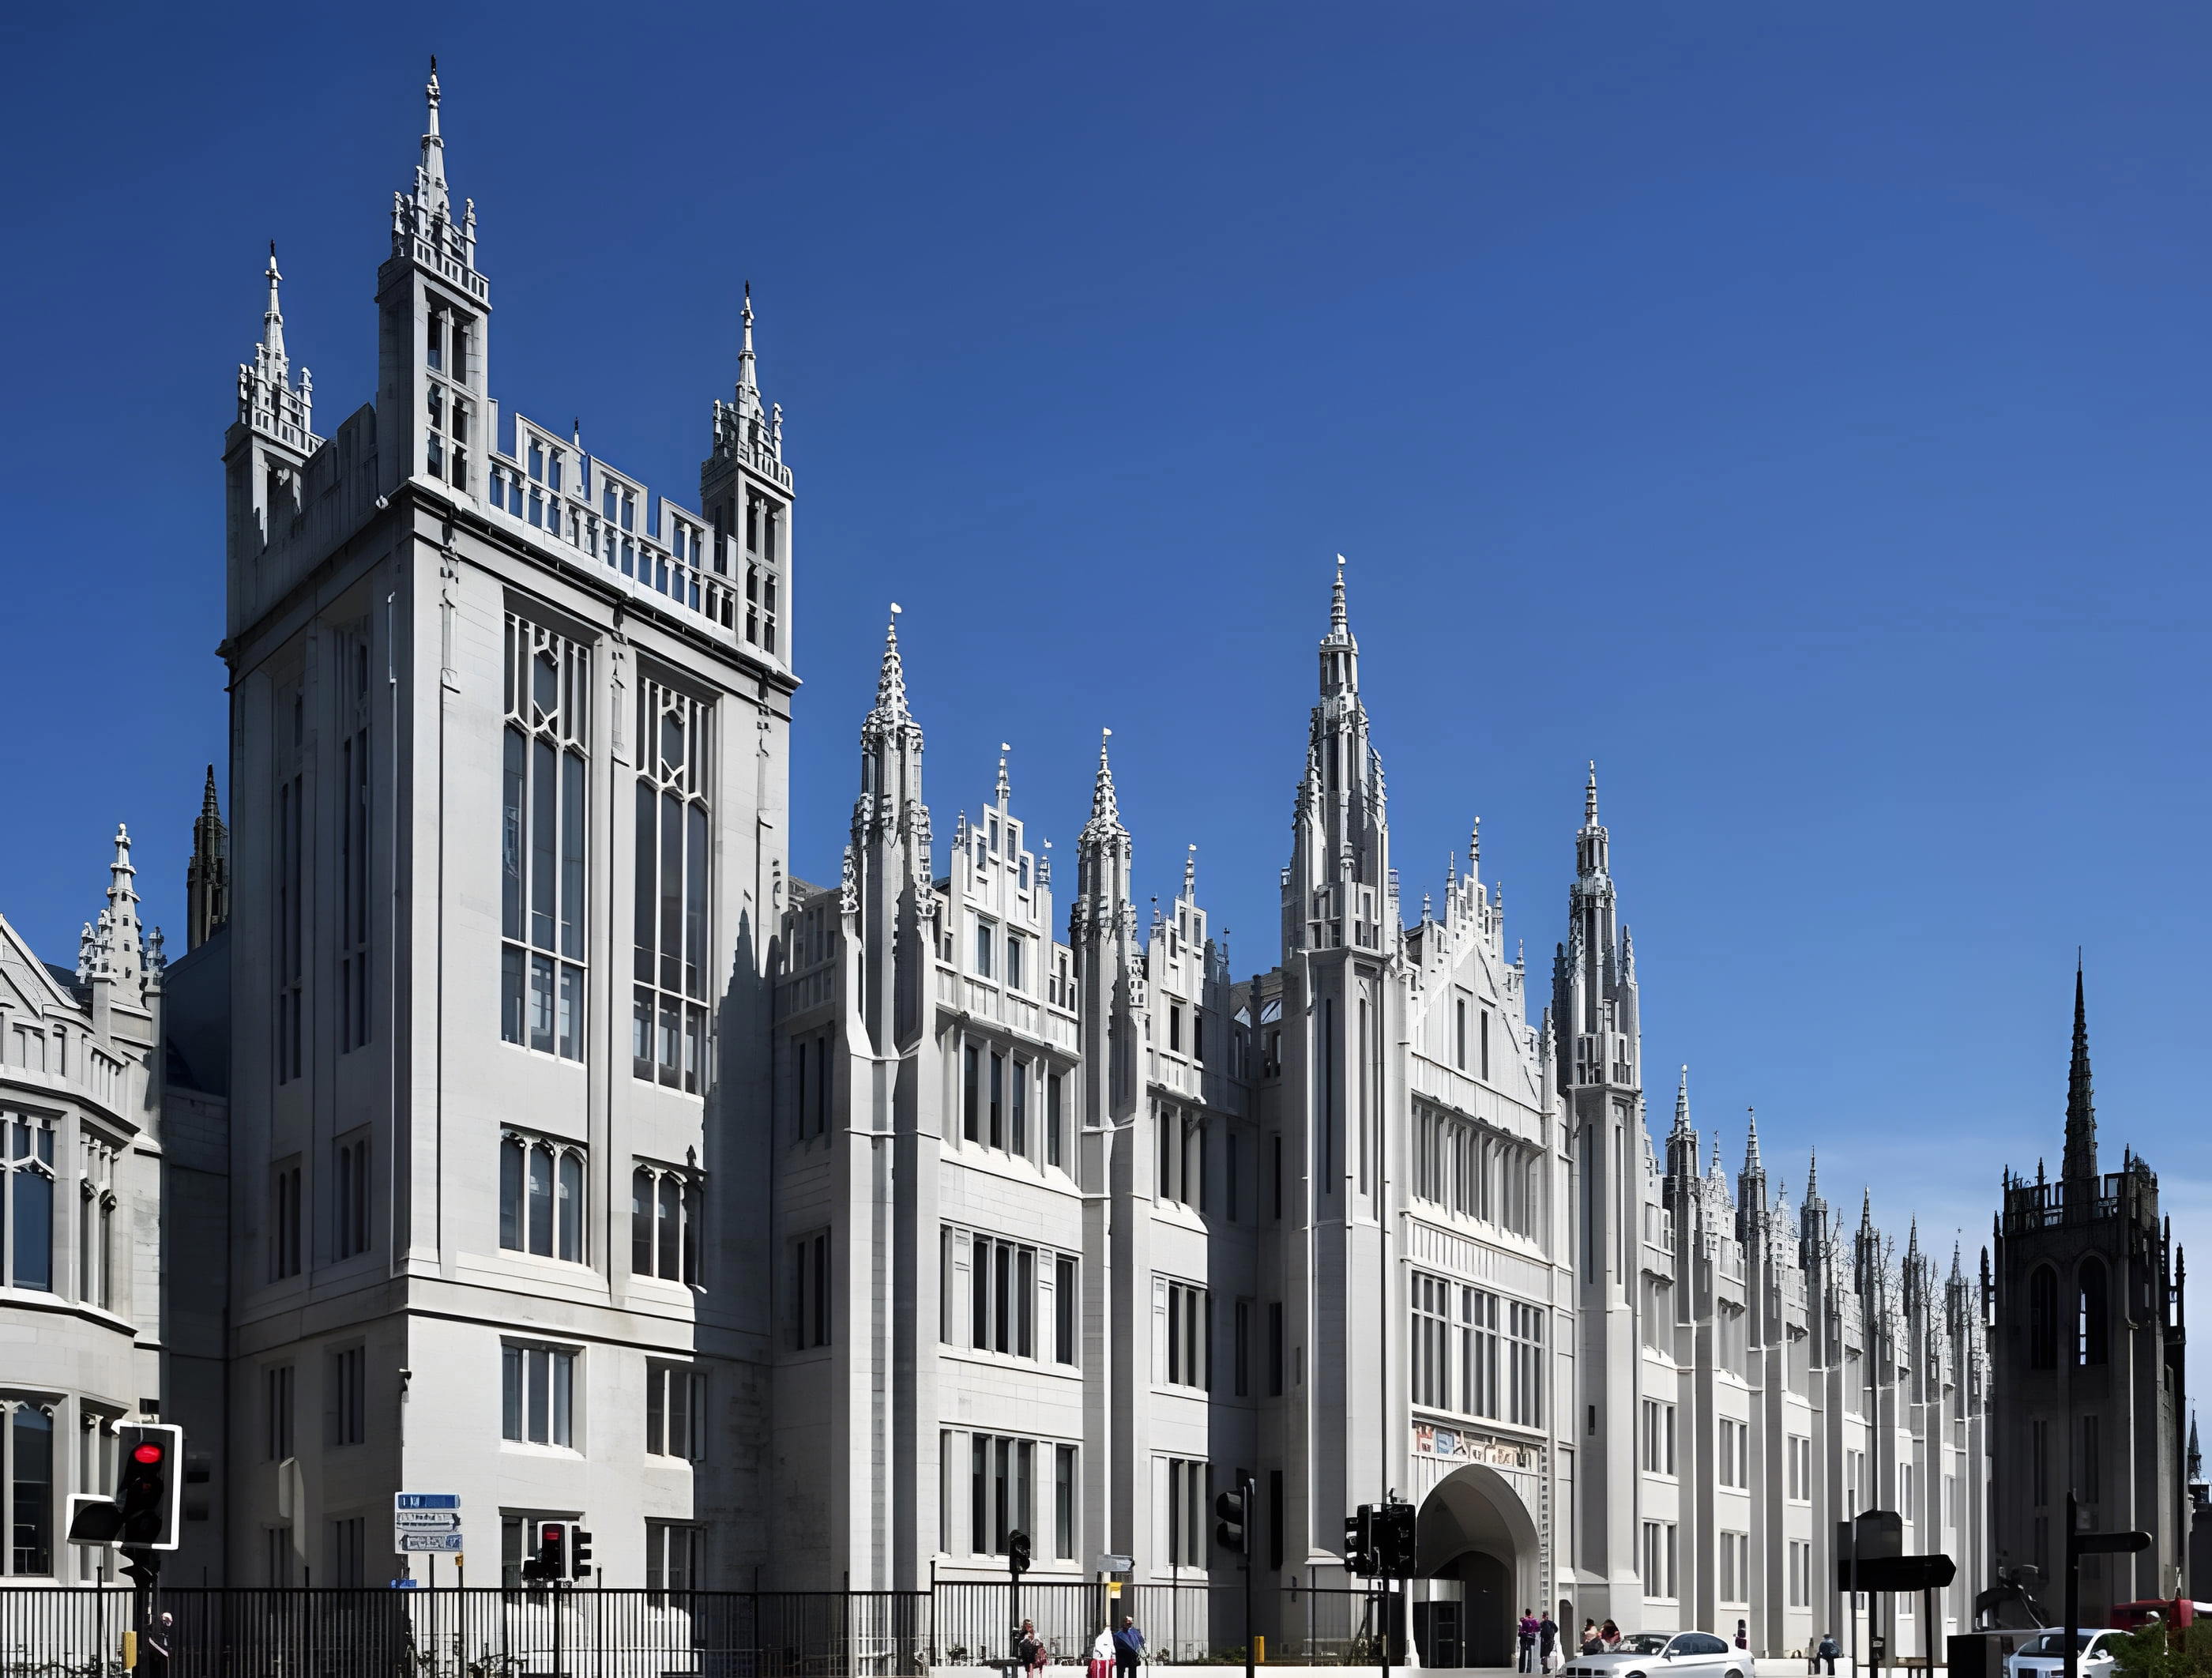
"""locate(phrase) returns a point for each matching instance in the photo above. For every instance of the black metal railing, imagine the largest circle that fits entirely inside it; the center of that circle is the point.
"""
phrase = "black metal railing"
(477, 1631)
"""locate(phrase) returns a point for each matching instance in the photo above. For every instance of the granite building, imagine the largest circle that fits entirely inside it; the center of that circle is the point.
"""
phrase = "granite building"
(570, 1156)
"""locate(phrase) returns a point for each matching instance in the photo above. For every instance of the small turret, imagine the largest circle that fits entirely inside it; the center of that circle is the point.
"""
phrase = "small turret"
(207, 875)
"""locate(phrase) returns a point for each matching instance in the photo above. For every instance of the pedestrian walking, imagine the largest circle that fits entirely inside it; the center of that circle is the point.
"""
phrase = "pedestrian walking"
(1128, 1647)
(1527, 1635)
(1028, 1648)
(1547, 1640)
(1824, 1656)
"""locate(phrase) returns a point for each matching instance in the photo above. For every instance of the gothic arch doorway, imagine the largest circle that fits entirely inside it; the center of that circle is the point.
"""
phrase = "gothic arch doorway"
(1474, 1527)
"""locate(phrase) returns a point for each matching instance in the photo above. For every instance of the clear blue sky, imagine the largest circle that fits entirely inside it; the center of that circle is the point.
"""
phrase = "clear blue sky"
(1803, 414)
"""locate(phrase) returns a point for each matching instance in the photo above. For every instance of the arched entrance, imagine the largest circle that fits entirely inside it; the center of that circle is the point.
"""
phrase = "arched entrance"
(1473, 1528)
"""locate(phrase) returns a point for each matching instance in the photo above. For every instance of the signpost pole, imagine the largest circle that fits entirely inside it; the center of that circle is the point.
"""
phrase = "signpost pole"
(2073, 1590)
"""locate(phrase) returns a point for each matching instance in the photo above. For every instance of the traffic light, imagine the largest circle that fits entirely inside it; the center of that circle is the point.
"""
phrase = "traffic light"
(553, 1551)
(1360, 1542)
(580, 1555)
(1228, 1530)
(1394, 1542)
(151, 1491)
(1017, 1553)
(141, 1567)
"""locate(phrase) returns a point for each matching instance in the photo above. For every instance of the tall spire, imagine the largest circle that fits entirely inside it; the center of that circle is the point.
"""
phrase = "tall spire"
(1589, 797)
(207, 875)
(891, 680)
(1004, 789)
(430, 189)
(1682, 1106)
(745, 369)
(1751, 1160)
(116, 946)
(1340, 621)
(272, 318)
(1190, 874)
(2080, 1163)
(1105, 810)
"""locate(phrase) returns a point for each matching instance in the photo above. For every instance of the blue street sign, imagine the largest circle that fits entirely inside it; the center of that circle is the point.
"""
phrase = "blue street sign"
(426, 1501)
(406, 1584)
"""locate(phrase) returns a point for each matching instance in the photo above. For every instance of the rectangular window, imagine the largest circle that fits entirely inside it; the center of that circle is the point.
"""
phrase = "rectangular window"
(971, 1094)
(345, 1540)
(291, 907)
(1658, 1437)
(350, 1231)
(1430, 1342)
(353, 850)
(283, 1223)
(675, 1411)
(1480, 1359)
(1801, 1574)
(987, 939)
(1065, 1306)
(672, 967)
(1187, 1535)
(547, 745)
(277, 1411)
(1524, 1348)
(1736, 1567)
(1190, 1334)
(1274, 1348)
(1459, 1033)
(541, 1197)
(1054, 1146)
(998, 1099)
(1735, 1455)
(1276, 1147)
(1659, 1560)
(1229, 1175)
(810, 1303)
(1241, 1348)
(345, 1398)
(1798, 1485)
(1019, 1091)
(1063, 1502)
(1013, 961)
(672, 1555)
(538, 1394)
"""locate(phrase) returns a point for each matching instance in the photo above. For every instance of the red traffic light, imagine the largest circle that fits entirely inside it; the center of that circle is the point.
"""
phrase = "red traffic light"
(147, 1453)
(550, 1533)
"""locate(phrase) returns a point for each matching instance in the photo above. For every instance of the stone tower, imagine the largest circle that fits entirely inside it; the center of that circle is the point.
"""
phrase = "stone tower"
(2088, 1344)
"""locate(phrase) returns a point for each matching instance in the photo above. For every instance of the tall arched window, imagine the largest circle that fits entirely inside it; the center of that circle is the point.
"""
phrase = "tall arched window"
(2093, 1318)
(664, 1210)
(541, 1198)
(2043, 1318)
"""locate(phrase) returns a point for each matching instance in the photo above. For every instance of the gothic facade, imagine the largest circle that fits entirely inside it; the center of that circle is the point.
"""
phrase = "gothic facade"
(574, 1158)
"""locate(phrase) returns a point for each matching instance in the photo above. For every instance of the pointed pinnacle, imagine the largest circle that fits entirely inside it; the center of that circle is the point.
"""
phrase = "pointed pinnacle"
(1103, 807)
(1190, 874)
(209, 804)
(1338, 617)
(1751, 1160)
(1003, 789)
(890, 683)
(1589, 797)
(1682, 1104)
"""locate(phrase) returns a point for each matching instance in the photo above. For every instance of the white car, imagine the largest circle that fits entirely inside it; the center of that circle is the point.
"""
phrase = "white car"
(2045, 1657)
(1667, 1654)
